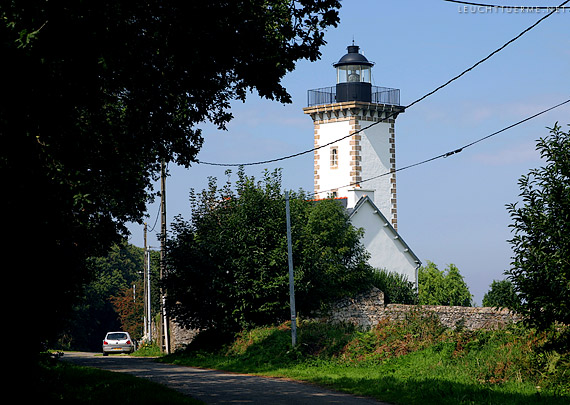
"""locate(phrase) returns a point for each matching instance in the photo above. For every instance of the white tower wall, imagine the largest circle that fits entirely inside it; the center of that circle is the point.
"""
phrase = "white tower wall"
(364, 138)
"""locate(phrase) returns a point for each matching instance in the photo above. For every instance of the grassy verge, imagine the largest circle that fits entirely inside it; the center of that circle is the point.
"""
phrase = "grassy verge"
(415, 361)
(63, 382)
(148, 350)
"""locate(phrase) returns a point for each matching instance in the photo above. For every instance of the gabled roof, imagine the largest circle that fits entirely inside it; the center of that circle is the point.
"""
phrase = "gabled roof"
(341, 200)
(387, 225)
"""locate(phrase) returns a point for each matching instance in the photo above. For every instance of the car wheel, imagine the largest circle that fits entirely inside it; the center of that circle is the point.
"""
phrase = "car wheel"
(105, 354)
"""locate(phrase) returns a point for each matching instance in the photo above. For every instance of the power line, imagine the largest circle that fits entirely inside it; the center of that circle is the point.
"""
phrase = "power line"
(453, 152)
(488, 56)
(159, 210)
(156, 220)
(393, 114)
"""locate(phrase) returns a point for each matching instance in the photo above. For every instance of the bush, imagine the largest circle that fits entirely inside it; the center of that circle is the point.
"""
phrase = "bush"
(396, 287)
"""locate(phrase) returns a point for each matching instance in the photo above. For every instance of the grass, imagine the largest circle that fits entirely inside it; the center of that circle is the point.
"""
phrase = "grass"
(416, 361)
(63, 382)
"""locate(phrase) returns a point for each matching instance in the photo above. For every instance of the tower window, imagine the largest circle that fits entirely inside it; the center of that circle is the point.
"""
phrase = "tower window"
(334, 156)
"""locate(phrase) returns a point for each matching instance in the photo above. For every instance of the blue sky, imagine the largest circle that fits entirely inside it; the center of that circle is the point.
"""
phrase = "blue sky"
(451, 210)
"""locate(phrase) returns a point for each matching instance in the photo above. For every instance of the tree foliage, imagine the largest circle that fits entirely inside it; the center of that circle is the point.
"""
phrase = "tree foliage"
(129, 305)
(228, 265)
(442, 287)
(95, 313)
(540, 267)
(501, 295)
(100, 92)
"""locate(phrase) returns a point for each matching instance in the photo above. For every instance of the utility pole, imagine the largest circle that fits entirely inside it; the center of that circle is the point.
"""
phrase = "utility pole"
(145, 320)
(147, 303)
(291, 275)
(165, 342)
(148, 309)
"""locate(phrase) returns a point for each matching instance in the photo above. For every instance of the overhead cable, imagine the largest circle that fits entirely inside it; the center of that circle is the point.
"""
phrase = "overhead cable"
(454, 151)
(394, 113)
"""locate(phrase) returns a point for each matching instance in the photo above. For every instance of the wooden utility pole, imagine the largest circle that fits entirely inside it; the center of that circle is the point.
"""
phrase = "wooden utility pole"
(164, 318)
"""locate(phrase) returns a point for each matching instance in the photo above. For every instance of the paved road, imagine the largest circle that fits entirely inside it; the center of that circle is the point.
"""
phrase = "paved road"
(215, 387)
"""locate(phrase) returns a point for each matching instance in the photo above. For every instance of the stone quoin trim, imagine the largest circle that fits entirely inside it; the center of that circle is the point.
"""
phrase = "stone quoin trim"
(392, 140)
(355, 148)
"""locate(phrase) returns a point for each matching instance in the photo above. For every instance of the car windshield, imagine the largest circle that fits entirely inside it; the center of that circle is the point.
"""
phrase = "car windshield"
(116, 336)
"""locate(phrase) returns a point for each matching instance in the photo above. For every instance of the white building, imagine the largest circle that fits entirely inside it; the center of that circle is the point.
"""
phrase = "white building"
(355, 158)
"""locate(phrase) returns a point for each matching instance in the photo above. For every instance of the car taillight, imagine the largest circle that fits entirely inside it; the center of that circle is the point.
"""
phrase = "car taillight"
(105, 342)
(128, 342)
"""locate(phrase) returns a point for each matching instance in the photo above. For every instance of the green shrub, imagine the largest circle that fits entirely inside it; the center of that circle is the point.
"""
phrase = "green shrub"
(396, 287)
(148, 350)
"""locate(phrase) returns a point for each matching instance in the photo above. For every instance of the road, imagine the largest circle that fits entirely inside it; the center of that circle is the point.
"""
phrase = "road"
(216, 387)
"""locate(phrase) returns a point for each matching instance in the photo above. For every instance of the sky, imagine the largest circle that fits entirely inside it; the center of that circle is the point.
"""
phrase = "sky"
(450, 210)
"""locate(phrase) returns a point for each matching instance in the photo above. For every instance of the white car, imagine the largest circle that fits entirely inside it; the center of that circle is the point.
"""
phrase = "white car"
(118, 342)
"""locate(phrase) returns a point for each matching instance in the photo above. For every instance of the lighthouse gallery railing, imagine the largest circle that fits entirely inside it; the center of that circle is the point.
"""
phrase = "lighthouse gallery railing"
(327, 95)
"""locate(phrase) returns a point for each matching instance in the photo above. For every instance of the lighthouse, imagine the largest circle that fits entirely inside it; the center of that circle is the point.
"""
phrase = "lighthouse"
(355, 138)
(355, 158)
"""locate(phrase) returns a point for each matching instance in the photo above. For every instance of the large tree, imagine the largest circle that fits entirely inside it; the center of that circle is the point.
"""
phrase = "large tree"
(442, 287)
(228, 265)
(501, 295)
(540, 267)
(97, 93)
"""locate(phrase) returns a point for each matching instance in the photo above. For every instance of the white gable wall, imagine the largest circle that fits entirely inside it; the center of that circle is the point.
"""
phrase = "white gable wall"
(387, 249)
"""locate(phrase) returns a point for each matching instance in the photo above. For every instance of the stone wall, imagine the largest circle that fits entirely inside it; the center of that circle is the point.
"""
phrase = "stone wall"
(180, 337)
(367, 310)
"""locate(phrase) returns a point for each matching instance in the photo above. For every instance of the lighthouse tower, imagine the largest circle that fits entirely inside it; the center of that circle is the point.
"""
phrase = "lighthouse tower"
(355, 139)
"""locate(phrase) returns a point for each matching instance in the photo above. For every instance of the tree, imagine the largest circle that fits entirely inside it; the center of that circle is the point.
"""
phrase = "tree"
(129, 305)
(442, 287)
(95, 313)
(540, 266)
(501, 295)
(228, 265)
(101, 92)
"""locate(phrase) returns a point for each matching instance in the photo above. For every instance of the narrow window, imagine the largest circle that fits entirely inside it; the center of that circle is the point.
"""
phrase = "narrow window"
(334, 156)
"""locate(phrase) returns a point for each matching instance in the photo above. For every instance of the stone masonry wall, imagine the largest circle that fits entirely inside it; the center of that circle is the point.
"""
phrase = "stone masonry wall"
(367, 310)
(180, 337)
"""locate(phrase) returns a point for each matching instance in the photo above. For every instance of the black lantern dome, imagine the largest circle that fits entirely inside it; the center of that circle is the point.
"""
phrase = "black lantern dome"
(353, 57)
(353, 77)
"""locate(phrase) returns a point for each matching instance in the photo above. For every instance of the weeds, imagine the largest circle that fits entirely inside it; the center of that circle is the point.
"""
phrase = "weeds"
(389, 339)
(414, 360)
(148, 350)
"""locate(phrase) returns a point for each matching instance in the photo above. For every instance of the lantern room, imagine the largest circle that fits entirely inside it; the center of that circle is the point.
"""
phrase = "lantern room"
(353, 77)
